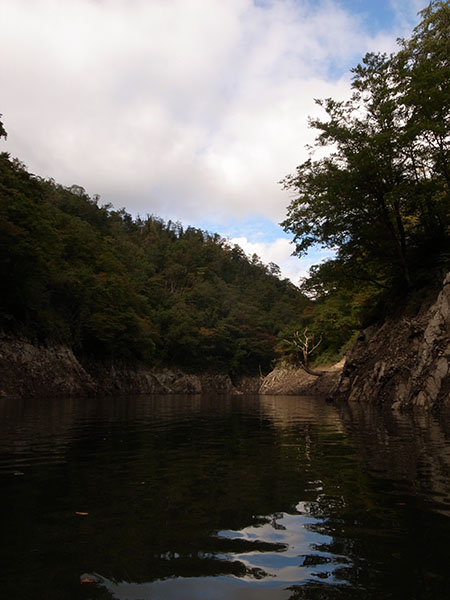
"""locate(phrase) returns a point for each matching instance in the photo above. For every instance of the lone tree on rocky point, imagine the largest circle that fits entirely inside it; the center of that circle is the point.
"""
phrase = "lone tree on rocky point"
(302, 346)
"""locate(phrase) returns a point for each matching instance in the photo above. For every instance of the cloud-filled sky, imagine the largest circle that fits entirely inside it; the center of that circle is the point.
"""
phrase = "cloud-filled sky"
(192, 110)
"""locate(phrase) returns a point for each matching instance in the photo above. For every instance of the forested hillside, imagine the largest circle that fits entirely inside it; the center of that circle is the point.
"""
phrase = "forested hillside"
(133, 289)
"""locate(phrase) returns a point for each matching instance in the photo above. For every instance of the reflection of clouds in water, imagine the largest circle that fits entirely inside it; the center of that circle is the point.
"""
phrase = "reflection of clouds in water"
(299, 536)
(291, 555)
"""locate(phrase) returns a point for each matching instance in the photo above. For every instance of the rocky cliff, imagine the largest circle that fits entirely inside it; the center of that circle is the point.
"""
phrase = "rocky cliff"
(404, 362)
(31, 370)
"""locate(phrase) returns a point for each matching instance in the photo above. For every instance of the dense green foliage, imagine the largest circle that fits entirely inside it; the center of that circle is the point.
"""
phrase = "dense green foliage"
(114, 287)
(380, 197)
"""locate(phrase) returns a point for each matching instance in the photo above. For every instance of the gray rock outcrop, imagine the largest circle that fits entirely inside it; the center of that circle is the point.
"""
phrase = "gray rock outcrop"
(28, 370)
(295, 381)
(405, 362)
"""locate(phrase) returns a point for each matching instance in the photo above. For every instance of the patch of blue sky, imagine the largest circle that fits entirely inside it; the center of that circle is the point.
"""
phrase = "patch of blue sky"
(377, 15)
(267, 239)
(258, 229)
(380, 15)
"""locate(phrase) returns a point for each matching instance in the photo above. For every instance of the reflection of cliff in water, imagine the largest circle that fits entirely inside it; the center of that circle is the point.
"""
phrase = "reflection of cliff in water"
(408, 454)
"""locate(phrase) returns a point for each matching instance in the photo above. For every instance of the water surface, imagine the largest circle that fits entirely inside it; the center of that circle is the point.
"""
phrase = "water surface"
(221, 498)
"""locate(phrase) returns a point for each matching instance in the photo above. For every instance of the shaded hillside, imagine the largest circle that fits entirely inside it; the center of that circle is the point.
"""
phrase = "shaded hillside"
(109, 286)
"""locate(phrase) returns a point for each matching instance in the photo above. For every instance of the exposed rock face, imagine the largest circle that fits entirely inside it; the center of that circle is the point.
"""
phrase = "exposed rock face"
(115, 379)
(294, 381)
(287, 381)
(405, 362)
(28, 370)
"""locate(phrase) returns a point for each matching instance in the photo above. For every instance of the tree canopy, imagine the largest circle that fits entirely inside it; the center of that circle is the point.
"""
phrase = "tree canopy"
(380, 197)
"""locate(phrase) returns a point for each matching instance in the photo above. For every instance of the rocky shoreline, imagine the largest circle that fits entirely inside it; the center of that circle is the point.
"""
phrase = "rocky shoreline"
(28, 370)
(294, 381)
(404, 363)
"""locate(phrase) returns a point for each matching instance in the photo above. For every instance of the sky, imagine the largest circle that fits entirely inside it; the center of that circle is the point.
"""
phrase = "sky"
(191, 110)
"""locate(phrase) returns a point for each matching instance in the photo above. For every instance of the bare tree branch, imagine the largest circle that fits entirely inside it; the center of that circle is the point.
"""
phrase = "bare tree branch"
(305, 344)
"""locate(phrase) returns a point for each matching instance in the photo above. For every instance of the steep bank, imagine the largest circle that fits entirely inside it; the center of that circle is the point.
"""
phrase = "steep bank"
(30, 370)
(404, 362)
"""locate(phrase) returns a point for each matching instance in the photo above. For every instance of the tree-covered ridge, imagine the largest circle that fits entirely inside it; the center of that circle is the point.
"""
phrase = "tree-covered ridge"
(113, 287)
(380, 197)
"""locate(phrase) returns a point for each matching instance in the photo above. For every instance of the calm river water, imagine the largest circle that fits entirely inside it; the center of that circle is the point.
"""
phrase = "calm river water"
(193, 498)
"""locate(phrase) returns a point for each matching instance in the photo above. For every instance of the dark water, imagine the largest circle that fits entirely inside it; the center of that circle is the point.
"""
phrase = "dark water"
(212, 498)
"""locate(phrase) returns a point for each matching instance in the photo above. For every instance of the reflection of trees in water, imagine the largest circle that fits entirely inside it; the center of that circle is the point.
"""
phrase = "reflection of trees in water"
(317, 591)
(385, 502)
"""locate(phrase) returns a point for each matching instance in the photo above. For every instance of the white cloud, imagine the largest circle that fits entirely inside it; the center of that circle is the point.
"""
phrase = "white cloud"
(406, 11)
(188, 109)
(279, 252)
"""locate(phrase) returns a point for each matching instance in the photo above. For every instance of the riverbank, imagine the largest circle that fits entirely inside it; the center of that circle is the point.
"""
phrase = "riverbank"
(28, 370)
